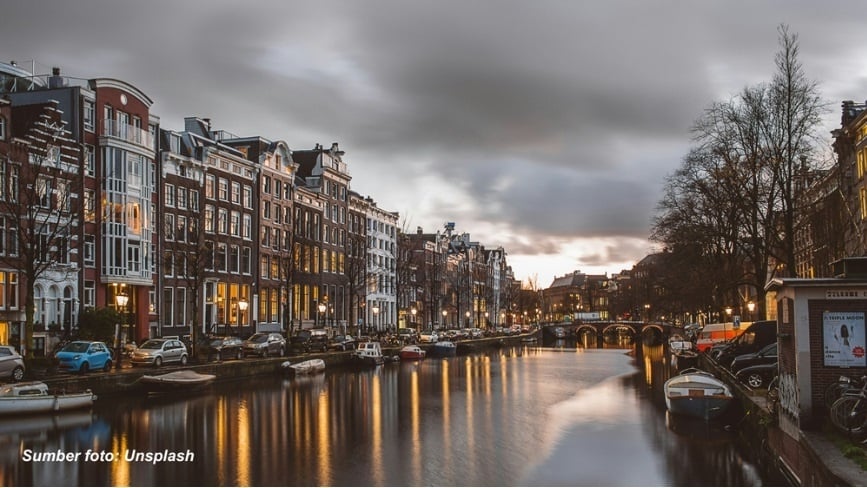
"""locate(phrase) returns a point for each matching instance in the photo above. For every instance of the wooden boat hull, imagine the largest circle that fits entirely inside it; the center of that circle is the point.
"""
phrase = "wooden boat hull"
(444, 349)
(697, 394)
(311, 366)
(185, 380)
(34, 398)
(412, 353)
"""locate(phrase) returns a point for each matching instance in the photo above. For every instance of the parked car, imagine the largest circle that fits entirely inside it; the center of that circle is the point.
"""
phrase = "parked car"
(265, 344)
(429, 336)
(308, 340)
(766, 355)
(757, 376)
(342, 343)
(155, 352)
(756, 336)
(407, 335)
(225, 348)
(83, 356)
(11, 364)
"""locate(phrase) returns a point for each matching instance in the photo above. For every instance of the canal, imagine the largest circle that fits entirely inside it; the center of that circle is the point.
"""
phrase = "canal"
(518, 416)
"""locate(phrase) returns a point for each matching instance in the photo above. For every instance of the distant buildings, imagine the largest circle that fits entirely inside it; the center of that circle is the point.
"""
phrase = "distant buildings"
(200, 231)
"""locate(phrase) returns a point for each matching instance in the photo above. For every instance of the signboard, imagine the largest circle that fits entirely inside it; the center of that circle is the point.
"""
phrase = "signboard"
(845, 294)
(736, 323)
(843, 334)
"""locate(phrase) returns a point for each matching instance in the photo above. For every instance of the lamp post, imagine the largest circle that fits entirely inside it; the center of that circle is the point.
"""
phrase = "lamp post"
(751, 306)
(242, 307)
(121, 300)
(445, 314)
(319, 311)
(486, 320)
(467, 323)
(726, 323)
(375, 311)
(414, 311)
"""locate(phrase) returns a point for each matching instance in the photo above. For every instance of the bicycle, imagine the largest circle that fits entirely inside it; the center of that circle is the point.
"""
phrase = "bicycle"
(772, 396)
(835, 390)
(849, 412)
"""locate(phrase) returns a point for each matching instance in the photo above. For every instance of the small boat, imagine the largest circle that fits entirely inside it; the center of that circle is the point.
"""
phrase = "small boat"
(687, 358)
(34, 397)
(368, 354)
(678, 344)
(444, 349)
(411, 353)
(311, 366)
(697, 393)
(183, 380)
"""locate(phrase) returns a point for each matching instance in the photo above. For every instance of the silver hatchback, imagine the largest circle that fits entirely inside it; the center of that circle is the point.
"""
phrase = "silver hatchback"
(155, 352)
(11, 364)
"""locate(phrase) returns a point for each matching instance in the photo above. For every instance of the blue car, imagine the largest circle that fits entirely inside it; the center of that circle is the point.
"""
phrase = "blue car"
(82, 356)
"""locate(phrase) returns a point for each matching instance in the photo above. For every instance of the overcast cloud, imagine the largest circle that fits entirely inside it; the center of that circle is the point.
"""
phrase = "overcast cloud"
(546, 127)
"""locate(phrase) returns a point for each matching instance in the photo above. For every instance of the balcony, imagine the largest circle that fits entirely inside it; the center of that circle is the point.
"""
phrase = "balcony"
(128, 133)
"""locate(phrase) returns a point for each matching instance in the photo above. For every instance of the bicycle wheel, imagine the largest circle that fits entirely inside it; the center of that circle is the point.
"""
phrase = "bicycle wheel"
(772, 396)
(834, 391)
(849, 414)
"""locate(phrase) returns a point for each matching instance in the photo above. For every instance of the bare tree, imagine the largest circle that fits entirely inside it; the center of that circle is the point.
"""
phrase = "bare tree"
(40, 198)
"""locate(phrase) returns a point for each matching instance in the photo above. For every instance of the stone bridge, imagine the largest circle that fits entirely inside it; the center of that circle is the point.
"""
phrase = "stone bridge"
(601, 328)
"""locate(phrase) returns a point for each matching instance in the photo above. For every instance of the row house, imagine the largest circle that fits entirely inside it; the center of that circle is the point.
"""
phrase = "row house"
(381, 267)
(201, 231)
(110, 122)
(40, 194)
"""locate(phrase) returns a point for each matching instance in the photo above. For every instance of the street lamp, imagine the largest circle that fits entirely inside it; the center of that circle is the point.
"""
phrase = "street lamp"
(751, 306)
(445, 314)
(320, 310)
(467, 323)
(375, 311)
(726, 322)
(242, 307)
(486, 320)
(414, 323)
(121, 300)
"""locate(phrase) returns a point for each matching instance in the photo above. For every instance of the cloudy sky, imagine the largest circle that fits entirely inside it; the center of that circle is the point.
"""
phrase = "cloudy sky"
(545, 127)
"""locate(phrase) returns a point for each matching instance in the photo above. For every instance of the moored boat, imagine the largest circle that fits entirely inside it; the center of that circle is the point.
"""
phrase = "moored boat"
(368, 354)
(311, 366)
(412, 353)
(33, 397)
(697, 393)
(183, 380)
(444, 349)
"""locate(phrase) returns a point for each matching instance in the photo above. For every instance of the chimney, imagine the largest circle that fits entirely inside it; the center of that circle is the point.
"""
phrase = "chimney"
(55, 81)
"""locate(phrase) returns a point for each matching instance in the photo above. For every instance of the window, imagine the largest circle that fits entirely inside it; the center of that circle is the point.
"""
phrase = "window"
(245, 260)
(210, 184)
(168, 304)
(266, 210)
(193, 202)
(89, 206)
(89, 294)
(209, 218)
(181, 197)
(265, 266)
(181, 234)
(169, 195)
(266, 185)
(233, 259)
(89, 250)
(235, 224)
(170, 227)
(89, 115)
(247, 231)
(223, 221)
(89, 160)
(2, 128)
(223, 189)
(248, 196)
(236, 192)
(220, 261)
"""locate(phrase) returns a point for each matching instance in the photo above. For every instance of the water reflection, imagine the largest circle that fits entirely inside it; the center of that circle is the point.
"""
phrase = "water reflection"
(531, 415)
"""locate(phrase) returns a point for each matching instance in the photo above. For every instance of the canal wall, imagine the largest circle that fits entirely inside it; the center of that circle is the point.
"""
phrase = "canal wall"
(125, 380)
(805, 459)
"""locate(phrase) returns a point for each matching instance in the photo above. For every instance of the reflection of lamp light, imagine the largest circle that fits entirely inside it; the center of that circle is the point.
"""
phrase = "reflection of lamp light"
(121, 300)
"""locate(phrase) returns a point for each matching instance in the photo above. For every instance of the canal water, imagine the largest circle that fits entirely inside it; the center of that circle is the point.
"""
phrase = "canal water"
(519, 416)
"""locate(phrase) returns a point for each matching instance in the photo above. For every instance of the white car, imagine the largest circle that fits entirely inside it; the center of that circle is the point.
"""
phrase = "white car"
(429, 336)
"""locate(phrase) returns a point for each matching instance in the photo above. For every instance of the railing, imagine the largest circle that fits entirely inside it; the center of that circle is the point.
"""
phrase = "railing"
(128, 133)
